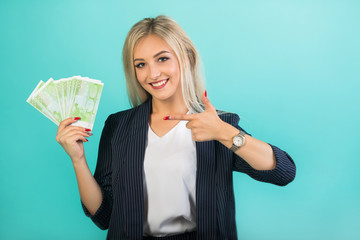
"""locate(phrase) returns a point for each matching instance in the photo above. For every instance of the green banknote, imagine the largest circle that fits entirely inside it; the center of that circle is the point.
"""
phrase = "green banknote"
(39, 105)
(59, 86)
(86, 101)
(68, 97)
(47, 96)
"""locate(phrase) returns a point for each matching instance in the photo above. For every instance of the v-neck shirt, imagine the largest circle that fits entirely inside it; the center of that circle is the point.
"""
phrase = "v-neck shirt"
(170, 182)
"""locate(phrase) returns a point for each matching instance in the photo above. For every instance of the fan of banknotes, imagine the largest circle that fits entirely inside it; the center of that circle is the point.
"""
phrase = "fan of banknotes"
(68, 97)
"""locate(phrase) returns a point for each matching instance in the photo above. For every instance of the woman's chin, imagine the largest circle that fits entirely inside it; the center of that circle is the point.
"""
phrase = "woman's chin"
(161, 97)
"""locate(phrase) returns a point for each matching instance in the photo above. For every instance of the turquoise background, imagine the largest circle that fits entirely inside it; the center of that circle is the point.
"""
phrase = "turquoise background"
(290, 69)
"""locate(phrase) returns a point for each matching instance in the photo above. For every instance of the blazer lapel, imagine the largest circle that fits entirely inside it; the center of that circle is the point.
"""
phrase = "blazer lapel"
(133, 163)
(205, 190)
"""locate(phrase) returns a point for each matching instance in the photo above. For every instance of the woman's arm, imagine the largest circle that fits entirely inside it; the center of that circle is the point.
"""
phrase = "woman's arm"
(95, 191)
(89, 189)
(71, 138)
(283, 170)
(260, 160)
(256, 153)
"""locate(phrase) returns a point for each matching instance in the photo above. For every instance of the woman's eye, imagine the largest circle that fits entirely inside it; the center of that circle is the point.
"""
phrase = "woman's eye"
(163, 59)
(140, 65)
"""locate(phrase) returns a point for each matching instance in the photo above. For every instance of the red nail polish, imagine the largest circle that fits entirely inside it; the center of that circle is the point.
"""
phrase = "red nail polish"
(205, 93)
(77, 118)
(167, 118)
(86, 140)
(87, 130)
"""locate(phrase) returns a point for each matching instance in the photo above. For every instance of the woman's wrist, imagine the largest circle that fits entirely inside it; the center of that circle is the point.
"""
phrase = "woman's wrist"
(79, 163)
(226, 134)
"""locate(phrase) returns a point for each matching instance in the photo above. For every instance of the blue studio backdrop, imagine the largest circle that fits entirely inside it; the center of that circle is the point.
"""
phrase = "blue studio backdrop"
(290, 69)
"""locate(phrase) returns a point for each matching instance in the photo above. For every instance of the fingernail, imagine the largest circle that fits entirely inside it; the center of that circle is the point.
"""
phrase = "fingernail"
(77, 118)
(167, 117)
(205, 93)
(87, 130)
(86, 140)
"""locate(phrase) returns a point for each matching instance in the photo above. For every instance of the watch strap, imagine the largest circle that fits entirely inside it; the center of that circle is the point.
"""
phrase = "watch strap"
(234, 148)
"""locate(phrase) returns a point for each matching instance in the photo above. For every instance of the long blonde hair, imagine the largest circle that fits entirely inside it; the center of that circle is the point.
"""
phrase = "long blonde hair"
(192, 82)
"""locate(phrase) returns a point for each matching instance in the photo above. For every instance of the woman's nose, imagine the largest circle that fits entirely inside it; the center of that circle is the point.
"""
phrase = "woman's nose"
(154, 72)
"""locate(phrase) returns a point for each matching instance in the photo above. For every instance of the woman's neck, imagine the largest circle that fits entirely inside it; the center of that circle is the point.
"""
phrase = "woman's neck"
(174, 106)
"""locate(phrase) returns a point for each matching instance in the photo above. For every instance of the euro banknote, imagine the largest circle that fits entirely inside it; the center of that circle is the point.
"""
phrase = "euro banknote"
(68, 97)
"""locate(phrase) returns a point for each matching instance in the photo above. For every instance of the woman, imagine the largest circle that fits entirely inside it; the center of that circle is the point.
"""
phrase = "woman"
(164, 167)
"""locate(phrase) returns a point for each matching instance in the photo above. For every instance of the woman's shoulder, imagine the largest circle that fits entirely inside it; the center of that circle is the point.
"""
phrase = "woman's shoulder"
(129, 114)
(228, 117)
(231, 118)
(121, 114)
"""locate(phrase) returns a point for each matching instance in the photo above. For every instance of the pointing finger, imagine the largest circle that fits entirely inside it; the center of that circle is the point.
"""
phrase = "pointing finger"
(183, 117)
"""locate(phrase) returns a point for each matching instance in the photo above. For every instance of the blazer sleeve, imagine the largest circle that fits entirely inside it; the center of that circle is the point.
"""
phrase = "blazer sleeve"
(281, 175)
(103, 177)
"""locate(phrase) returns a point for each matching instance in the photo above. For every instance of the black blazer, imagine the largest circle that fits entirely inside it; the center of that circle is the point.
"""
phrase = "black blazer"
(119, 172)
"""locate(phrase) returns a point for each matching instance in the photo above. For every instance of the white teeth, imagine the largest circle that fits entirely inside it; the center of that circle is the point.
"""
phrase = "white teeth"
(159, 83)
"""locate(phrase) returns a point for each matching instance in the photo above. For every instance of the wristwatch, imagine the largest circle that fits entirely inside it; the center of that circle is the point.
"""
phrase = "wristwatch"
(238, 141)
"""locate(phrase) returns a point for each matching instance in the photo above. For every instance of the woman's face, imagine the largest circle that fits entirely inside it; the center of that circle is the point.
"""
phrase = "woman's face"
(157, 68)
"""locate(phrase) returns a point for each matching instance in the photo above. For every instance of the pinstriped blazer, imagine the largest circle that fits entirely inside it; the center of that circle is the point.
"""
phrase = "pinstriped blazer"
(119, 172)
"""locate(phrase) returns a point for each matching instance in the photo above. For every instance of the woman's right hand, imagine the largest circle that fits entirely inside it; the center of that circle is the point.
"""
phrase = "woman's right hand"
(71, 138)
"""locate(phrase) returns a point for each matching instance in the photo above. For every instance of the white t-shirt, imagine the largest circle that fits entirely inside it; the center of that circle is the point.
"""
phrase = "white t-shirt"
(170, 182)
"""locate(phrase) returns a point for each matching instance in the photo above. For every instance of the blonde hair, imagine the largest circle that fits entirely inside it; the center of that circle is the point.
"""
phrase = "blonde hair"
(192, 82)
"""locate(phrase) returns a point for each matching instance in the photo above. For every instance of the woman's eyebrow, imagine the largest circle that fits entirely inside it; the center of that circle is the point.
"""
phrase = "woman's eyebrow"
(159, 53)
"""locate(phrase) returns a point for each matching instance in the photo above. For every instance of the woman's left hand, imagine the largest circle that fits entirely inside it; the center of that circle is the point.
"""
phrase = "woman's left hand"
(205, 126)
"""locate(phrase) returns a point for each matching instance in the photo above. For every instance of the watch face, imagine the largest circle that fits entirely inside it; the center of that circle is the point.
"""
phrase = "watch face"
(238, 141)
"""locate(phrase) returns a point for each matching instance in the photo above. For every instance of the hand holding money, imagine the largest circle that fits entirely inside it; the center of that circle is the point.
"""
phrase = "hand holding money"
(71, 103)
(71, 138)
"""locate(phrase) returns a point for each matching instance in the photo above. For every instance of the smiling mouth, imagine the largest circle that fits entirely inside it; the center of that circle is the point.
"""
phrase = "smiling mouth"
(159, 84)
